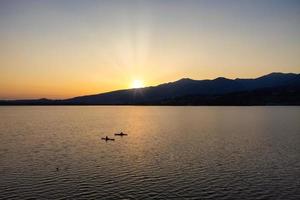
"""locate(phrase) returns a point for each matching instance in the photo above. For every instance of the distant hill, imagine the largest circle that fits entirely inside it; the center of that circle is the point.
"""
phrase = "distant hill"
(271, 89)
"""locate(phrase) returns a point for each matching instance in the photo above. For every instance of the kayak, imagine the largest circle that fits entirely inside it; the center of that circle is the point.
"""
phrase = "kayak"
(106, 139)
(121, 134)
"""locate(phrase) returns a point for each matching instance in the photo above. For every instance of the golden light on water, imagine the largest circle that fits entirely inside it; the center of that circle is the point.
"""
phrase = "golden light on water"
(137, 84)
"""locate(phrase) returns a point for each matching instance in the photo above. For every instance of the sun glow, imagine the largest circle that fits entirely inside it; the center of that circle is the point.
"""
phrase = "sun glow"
(137, 84)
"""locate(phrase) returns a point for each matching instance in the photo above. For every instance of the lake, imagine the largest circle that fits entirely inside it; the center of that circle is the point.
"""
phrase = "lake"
(56, 152)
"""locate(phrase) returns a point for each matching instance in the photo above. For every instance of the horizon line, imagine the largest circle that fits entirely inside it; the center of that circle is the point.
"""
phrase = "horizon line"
(124, 89)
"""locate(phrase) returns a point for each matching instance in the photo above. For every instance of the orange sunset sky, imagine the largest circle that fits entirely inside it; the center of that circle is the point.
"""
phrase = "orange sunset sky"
(61, 49)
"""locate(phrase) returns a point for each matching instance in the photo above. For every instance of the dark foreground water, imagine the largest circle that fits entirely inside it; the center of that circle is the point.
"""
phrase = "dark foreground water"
(170, 153)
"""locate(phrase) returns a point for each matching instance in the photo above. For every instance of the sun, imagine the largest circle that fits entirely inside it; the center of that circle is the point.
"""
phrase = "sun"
(137, 84)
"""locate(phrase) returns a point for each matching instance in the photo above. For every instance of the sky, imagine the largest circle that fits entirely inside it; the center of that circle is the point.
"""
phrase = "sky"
(65, 48)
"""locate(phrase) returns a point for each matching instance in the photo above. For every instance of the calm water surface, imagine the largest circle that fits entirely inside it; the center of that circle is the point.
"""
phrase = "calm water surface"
(170, 153)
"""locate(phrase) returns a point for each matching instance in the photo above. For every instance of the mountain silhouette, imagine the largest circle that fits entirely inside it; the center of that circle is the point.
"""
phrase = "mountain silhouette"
(271, 89)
